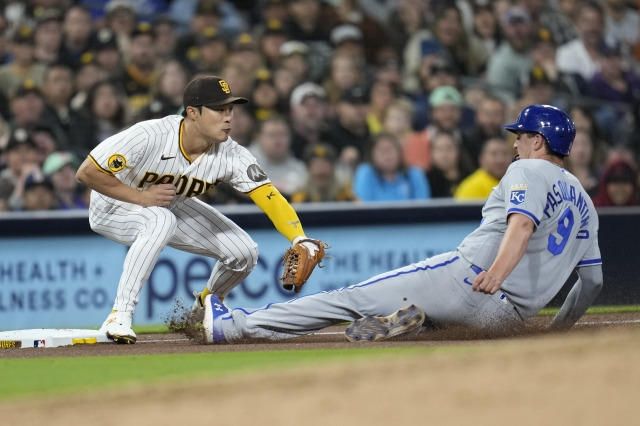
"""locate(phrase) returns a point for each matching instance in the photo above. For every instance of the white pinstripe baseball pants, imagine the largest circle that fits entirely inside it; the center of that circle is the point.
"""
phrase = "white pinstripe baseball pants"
(192, 226)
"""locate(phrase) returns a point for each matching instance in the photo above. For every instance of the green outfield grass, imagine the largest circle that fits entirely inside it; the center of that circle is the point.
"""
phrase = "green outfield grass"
(29, 377)
(598, 310)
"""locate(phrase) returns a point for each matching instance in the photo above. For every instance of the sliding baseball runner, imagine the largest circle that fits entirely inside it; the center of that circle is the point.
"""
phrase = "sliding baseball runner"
(538, 226)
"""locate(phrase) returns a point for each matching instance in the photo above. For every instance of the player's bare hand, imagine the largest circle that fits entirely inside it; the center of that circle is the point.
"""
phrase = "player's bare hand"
(158, 195)
(487, 283)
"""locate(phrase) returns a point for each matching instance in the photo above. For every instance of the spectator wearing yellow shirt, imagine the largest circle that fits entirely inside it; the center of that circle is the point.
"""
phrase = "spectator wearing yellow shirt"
(494, 159)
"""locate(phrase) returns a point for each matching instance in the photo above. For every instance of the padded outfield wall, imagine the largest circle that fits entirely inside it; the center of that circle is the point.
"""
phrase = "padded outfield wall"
(55, 272)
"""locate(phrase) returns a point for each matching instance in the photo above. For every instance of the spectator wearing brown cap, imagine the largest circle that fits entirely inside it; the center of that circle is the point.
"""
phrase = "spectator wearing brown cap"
(267, 10)
(201, 23)
(270, 40)
(88, 74)
(264, 96)
(26, 105)
(209, 54)
(141, 67)
(323, 183)
(246, 54)
(23, 66)
(21, 160)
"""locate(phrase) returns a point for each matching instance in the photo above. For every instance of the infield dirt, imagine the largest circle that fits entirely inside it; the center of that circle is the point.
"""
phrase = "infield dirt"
(588, 376)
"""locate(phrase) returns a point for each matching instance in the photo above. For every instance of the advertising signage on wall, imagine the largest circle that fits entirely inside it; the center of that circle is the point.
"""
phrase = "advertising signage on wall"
(46, 284)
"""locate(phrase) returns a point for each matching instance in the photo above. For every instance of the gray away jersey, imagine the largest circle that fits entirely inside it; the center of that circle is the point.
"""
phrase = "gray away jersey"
(565, 236)
(150, 153)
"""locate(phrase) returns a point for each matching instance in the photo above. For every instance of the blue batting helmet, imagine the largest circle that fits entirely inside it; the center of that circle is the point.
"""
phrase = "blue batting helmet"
(551, 122)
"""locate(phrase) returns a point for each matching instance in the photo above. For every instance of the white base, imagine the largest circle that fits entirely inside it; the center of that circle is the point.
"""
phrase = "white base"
(50, 338)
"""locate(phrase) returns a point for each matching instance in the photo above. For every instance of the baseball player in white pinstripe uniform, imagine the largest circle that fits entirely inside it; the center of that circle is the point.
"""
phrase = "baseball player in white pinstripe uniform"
(145, 180)
(538, 226)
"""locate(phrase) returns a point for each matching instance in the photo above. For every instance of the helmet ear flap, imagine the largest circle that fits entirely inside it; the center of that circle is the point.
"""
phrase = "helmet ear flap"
(551, 122)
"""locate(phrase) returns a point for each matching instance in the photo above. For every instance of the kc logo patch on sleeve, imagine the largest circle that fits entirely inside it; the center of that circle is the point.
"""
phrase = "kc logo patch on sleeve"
(518, 193)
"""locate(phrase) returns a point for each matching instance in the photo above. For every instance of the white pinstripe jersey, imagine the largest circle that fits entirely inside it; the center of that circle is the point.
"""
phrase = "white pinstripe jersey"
(565, 236)
(150, 152)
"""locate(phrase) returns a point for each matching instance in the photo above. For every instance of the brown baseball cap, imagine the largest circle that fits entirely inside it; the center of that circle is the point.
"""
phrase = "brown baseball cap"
(209, 91)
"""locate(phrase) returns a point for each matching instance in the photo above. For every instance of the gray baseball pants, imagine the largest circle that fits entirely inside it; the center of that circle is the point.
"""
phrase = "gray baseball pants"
(440, 285)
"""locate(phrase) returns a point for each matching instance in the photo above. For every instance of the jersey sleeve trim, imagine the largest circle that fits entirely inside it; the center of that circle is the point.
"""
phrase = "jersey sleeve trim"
(103, 170)
(256, 189)
(590, 262)
(181, 140)
(526, 213)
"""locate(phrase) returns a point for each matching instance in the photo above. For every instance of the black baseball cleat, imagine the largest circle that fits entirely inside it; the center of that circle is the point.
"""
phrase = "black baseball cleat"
(369, 329)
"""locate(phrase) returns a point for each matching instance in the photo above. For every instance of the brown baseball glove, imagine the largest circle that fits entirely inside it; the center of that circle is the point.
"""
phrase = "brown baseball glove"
(299, 262)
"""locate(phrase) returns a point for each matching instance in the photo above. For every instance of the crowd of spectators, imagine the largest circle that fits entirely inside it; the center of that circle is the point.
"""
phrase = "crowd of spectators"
(351, 100)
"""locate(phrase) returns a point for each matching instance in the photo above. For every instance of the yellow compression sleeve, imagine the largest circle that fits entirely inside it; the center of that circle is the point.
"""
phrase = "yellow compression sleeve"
(278, 209)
